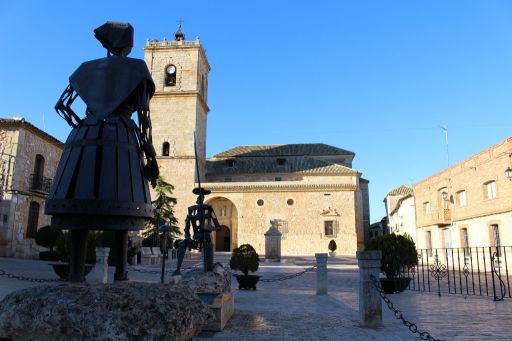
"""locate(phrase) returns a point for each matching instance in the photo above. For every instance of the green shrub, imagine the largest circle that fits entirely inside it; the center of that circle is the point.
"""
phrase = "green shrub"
(398, 253)
(245, 259)
(63, 243)
(47, 237)
(332, 245)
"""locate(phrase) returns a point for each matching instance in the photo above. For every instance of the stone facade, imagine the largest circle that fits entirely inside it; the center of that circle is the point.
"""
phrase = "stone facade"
(29, 160)
(318, 192)
(475, 206)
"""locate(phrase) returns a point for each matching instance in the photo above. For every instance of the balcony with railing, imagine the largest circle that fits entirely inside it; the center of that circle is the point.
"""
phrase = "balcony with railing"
(40, 183)
(444, 217)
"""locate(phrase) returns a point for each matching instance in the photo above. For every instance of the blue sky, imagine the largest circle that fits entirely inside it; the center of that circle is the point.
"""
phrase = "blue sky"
(374, 77)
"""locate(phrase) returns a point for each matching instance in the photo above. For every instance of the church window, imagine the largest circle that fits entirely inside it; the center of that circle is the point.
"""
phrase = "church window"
(165, 149)
(223, 211)
(170, 75)
(290, 202)
(281, 162)
(230, 163)
(260, 202)
(33, 217)
(330, 227)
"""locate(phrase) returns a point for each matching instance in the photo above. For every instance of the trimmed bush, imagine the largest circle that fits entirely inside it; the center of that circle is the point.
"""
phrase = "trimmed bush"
(245, 259)
(47, 237)
(398, 253)
(332, 245)
(64, 241)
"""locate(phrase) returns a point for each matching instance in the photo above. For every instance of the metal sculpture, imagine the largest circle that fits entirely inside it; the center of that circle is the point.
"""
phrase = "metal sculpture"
(203, 220)
(101, 182)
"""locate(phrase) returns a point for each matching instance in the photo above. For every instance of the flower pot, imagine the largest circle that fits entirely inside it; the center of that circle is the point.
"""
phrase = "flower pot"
(332, 253)
(247, 282)
(62, 269)
(394, 285)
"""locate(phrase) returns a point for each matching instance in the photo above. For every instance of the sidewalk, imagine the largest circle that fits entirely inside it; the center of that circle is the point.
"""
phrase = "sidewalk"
(290, 310)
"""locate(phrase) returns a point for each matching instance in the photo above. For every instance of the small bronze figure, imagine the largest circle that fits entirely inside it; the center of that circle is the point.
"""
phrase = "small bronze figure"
(203, 220)
(101, 182)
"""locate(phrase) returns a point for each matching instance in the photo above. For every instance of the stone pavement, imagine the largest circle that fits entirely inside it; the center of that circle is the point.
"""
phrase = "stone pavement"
(290, 310)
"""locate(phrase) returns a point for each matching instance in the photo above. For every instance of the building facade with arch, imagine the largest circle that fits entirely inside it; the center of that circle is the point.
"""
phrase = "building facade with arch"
(310, 191)
(28, 162)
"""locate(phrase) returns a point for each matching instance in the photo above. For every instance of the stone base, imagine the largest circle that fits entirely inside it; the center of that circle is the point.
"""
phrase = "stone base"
(223, 307)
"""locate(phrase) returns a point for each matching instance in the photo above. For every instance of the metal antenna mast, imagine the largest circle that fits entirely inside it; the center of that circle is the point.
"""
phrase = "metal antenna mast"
(445, 129)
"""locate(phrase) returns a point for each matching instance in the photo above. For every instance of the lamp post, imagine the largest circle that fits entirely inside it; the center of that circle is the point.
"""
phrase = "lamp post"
(165, 229)
(158, 210)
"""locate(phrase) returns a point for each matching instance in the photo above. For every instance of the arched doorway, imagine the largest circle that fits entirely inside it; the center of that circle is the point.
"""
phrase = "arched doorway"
(223, 239)
(226, 239)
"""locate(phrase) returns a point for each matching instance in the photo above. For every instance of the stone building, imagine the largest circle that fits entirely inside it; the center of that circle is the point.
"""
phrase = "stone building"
(311, 190)
(467, 204)
(28, 162)
(400, 211)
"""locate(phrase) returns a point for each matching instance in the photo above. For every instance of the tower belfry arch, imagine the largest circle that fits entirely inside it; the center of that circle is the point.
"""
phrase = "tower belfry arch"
(179, 109)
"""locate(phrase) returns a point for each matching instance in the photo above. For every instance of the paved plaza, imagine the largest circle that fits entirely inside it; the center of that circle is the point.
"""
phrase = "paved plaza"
(290, 309)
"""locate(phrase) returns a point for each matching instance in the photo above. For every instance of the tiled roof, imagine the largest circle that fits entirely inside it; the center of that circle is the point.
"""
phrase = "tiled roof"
(20, 122)
(309, 149)
(401, 190)
(261, 165)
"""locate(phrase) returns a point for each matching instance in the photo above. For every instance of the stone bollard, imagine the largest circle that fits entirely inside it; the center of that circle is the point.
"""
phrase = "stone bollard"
(370, 305)
(101, 267)
(321, 273)
(273, 243)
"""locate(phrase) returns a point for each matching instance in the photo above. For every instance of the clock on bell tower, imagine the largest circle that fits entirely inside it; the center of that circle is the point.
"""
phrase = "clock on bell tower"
(178, 111)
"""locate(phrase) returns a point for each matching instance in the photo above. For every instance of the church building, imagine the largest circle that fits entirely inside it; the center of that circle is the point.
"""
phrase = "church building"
(309, 191)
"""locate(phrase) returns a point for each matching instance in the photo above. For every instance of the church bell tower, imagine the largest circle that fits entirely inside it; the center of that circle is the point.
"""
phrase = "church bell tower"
(178, 110)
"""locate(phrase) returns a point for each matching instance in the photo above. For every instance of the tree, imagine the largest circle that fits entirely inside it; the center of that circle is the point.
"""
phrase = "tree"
(163, 213)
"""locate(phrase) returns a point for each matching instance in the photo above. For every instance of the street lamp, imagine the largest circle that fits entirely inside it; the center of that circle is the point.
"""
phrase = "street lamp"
(508, 173)
(165, 229)
(158, 210)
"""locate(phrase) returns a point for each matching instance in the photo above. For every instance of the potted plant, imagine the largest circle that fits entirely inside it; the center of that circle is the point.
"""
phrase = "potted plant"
(398, 255)
(332, 247)
(47, 237)
(244, 258)
(62, 248)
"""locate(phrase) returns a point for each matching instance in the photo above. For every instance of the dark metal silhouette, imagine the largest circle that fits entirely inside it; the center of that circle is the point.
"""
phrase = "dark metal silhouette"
(101, 180)
(203, 220)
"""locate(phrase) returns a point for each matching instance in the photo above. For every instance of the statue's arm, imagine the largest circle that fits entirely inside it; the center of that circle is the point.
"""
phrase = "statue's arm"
(63, 107)
(214, 218)
(187, 227)
(151, 168)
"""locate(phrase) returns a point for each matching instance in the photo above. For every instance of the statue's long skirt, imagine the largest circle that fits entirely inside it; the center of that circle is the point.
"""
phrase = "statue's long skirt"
(100, 183)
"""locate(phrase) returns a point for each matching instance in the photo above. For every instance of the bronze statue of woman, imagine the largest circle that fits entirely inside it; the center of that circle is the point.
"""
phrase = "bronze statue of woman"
(101, 182)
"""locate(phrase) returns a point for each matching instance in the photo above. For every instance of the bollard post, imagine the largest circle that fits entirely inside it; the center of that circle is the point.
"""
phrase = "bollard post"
(370, 305)
(321, 273)
(101, 267)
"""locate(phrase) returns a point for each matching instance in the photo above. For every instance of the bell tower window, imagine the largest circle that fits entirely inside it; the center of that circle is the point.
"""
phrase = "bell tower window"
(165, 149)
(170, 75)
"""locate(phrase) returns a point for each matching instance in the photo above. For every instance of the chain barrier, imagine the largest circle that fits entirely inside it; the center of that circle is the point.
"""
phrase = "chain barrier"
(282, 278)
(30, 279)
(398, 314)
(195, 267)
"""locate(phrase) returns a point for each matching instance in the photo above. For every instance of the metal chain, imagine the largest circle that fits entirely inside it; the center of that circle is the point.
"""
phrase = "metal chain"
(144, 271)
(29, 279)
(283, 278)
(398, 314)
